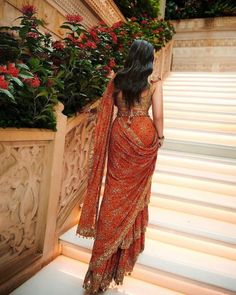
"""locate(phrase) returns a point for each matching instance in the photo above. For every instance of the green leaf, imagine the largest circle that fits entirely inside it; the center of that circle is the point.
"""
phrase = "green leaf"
(34, 62)
(26, 76)
(23, 66)
(18, 81)
(42, 93)
(8, 93)
(66, 27)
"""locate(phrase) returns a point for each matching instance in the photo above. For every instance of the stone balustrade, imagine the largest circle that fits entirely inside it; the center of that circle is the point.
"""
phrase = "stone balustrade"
(42, 183)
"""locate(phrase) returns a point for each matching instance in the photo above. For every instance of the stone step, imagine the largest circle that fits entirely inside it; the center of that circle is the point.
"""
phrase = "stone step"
(201, 125)
(186, 240)
(199, 94)
(194, 78)
(181, 143)
(64, 276)
(200, 100)
(200, 116)
(207, 88)
(196, 272)
(217, 230)
(201, 137)
(203, 75)
(196, 209)
(195, 182)
(198, 165)
(182, 83)
(195, 106)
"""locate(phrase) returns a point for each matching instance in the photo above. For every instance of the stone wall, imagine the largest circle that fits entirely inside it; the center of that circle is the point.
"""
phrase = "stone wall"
(54, 12)
(207, 44)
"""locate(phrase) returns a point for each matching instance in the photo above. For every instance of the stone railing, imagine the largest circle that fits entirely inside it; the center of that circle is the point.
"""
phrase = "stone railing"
(163, 60)
(42, 183)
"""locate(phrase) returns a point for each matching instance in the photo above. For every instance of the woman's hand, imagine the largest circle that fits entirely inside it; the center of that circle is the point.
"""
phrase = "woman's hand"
(160, 141)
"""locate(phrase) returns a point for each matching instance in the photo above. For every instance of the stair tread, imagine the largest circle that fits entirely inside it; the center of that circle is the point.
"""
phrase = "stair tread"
(206, 137)
(209, 117)
(193, 194)
(193, 181)
(212, 162)
(163, 256)
(193, 224)
(200, 100)
(195, 173)
(196, 157)
(65, 276)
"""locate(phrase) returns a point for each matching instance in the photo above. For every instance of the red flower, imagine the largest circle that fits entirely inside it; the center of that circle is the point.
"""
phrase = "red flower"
(81, 45)
(33, 82)
(108, 46)
(122, 33)
(28, 10)
(117, 24)
(114, 37)
(112, 63)
(102, 29)
(102, 23)
(155, 31)
(93, 34)
(83, 37)
(90, 44)
(58, 45)
(3, 83)
(72, 39)
(49, 83)
(32, 35)
(3, 69)
(12, 70)
(144, 22)
(133, 19)
(107, 69)
(121, 47)
(74, 18)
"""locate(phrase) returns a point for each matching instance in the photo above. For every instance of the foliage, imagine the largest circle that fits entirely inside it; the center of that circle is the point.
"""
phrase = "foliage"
(148, 8)
(74, 70)
(26, 100)
(182, 9)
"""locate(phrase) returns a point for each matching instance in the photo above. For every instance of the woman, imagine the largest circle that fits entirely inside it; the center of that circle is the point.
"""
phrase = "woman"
(132, 141)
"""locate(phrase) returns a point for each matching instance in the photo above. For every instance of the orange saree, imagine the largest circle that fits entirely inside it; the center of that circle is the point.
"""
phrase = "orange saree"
(119, 226)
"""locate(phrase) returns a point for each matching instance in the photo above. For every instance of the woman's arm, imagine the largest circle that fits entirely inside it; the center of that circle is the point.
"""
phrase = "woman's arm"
(157, 107)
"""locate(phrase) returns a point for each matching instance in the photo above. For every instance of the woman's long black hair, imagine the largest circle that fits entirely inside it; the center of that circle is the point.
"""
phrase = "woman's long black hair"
(133, 78)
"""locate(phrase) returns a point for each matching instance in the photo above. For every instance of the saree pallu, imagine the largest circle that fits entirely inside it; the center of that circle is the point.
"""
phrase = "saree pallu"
(123, 216)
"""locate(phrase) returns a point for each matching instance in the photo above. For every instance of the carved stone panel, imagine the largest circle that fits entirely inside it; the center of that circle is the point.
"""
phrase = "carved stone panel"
(21, 176)
(76, 155)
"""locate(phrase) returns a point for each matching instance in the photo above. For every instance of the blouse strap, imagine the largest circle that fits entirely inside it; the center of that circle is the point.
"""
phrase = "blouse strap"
(155, 80)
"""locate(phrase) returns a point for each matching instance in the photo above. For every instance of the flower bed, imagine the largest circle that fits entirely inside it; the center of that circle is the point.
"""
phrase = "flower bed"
(37, 71)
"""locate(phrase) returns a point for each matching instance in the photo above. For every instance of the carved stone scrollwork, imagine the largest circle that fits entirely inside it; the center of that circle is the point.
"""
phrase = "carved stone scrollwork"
(76, 154)
(107, 10)
(21, 174)
(77, 7)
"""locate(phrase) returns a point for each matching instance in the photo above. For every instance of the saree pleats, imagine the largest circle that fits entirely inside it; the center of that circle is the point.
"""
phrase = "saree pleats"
(123, 214)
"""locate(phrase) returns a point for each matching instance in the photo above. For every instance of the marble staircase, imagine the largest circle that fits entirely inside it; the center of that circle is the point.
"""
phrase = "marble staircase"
(191, 238)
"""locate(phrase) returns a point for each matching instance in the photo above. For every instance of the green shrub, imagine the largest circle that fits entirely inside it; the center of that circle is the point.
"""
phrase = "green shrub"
(184, 9)
(74, 70)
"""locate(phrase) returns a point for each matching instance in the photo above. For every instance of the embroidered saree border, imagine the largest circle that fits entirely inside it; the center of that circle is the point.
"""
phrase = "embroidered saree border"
(97, 157)
(140, 205)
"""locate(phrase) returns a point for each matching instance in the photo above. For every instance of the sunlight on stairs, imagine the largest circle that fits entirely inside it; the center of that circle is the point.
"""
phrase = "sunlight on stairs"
(191, 237)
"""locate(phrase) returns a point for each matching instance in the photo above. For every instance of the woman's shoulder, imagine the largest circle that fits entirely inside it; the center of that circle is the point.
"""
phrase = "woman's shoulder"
(153, 83)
